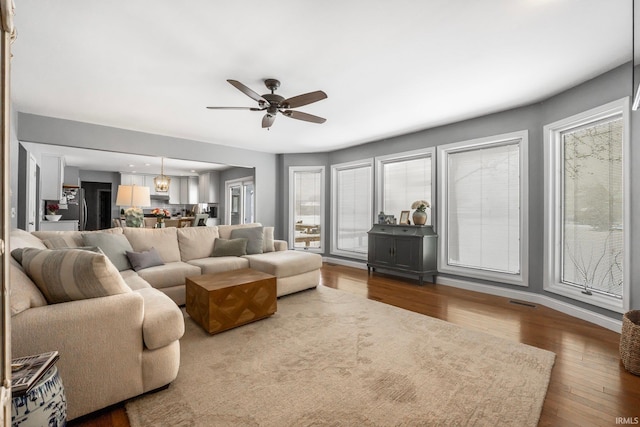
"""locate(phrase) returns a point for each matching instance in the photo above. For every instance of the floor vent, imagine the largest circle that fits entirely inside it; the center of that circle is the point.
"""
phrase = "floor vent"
(330, 264)
(526, 304)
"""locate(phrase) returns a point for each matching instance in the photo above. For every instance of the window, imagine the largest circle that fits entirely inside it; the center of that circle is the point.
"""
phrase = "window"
(306, 218)
(483, 208)
(352, 208)
(586, 256)
(404, 178)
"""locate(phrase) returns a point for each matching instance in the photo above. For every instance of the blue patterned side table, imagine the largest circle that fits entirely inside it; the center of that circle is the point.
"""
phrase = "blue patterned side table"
(43, 406)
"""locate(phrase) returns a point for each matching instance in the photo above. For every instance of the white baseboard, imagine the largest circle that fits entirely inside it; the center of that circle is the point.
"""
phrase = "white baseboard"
(362, 265)
(561, 306)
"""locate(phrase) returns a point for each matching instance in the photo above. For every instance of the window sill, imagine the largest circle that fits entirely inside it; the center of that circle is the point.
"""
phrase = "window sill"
(476, 273)
(602, 301)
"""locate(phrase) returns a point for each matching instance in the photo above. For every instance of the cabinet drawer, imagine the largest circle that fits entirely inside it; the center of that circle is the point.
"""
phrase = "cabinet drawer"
(405, 231)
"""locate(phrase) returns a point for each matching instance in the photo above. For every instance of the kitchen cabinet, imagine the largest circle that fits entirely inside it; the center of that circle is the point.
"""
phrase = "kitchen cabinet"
(208, 184)
(175, 190)
(409, 249)
(188, 190)
(51, 176)
(192, 194)
(132, 179)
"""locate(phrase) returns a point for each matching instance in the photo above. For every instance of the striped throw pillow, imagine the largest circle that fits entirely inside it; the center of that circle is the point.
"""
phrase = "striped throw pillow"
(72, 274)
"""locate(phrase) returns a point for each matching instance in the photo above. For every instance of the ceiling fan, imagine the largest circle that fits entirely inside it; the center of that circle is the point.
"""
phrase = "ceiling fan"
(272, 103)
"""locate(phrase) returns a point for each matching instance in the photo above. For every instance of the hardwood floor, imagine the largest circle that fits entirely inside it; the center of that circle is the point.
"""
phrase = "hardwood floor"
(589, 386)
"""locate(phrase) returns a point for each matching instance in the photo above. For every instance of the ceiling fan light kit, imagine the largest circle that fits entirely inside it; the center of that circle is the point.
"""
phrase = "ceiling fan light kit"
(272, 103)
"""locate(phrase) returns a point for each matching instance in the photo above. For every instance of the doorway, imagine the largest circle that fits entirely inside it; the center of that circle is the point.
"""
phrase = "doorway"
(97, 196)
(240, 201)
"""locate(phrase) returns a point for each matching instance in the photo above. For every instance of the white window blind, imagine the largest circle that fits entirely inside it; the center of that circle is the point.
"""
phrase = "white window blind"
(353, 208)
(483, 208)
(405, 181)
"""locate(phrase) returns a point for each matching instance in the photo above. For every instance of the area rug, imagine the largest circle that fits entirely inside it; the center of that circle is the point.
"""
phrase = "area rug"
(329, 358)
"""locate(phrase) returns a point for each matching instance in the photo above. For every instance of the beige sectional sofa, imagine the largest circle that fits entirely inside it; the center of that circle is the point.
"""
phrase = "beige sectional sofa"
(119, 346)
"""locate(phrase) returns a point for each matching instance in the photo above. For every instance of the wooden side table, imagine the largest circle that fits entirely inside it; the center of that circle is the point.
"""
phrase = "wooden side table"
(222, 301)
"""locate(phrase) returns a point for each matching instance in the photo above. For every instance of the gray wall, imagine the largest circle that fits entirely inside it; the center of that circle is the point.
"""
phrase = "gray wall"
(610, 86)
(48, 130)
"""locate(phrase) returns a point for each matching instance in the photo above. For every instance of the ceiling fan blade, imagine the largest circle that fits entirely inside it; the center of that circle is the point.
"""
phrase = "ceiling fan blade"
(268, 120)
(305, 99)
(299, 115)
(229, 108)
(238, 108)
(251, 94)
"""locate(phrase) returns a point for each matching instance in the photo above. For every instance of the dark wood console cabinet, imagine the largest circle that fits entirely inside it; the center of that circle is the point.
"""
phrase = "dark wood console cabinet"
(407, 248)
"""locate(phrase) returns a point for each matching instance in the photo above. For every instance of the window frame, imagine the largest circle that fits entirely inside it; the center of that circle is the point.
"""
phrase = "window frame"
(553, 204)
(380, 161)
(443, 151)
(292, 233)
(335, 169)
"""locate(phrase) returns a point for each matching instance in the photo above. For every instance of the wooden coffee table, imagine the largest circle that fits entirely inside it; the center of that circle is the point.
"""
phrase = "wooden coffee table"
(222, 301)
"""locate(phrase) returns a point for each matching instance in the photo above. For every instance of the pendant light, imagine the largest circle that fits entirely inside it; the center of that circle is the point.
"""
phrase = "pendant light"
(162, 182)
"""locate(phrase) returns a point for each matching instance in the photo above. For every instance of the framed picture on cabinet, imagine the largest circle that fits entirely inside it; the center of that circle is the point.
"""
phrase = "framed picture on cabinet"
(404, 217)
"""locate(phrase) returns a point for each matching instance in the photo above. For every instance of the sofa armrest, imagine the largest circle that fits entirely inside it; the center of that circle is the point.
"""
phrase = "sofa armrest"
(280, 245)
(100, 345)
(163, 321)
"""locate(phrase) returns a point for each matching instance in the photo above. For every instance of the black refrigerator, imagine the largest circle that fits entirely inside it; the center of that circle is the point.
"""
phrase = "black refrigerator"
(76, 206)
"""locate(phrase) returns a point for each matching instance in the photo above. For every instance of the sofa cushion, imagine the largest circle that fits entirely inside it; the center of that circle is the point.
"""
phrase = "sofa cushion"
(24, 294)
(168, 275)
(231, 247)
(196, 242)
(254, 237)
(133, 280)
(114, 246)
(225, 230)
(22, 239)
(285, 263)
(145, 259)
(76, 236)
(220, 264)
(163, 322)
(165, 240)
(71, 274)
(268, 240)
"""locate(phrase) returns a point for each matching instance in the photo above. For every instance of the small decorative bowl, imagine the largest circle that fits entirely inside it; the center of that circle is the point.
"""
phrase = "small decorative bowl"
(52, 217)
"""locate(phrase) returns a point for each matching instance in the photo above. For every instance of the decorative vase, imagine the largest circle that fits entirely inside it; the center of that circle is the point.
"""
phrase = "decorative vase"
(160, 222)
(419, 218)
(52, 217)
(44, 405)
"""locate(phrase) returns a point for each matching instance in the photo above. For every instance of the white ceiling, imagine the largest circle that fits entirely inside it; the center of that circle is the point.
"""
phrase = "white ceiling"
(388, 67)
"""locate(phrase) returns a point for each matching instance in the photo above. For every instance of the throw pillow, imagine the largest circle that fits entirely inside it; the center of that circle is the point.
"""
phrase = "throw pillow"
(62, 241)
(72, 274)
(231, 247)
(254, 235)
(17, 253)
(269, 245)
(114, 246)
(144, 259)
